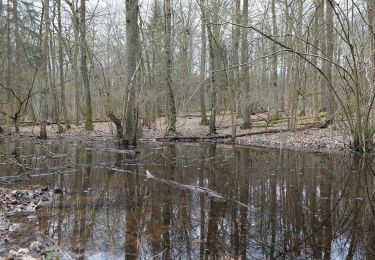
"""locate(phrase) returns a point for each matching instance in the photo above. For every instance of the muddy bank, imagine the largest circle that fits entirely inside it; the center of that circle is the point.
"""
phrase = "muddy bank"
(25, 202)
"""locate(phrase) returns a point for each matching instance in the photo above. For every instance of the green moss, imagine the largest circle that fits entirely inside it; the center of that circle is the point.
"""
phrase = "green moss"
(276, 118)
(52, 256)
(204, 121)
(246, 126)
(60, 129)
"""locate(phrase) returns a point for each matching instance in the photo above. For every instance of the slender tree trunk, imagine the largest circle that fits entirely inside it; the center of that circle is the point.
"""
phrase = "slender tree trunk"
(52, 69)
(202, 88)
(44, 69)
(275, 88)
(245, 68)
(323, 47)
(330, 46)
(292, 66)
(89, 126)
(371, 17)
(8, 70)
(235, 72)
(171, 111)
(61, 65)
(302, 85)
(16, 65)
(133, 55)
(16, 34)
(314, 59)
(212, 40)
(75, 64)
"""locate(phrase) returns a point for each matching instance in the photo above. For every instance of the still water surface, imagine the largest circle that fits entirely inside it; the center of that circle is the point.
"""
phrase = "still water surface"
(197, 201)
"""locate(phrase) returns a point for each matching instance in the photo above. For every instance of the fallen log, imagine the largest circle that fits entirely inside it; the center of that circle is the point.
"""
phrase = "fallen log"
(210, 193)
(227, 136)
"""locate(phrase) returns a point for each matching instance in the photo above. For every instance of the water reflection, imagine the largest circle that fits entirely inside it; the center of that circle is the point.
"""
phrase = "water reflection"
(296, 205)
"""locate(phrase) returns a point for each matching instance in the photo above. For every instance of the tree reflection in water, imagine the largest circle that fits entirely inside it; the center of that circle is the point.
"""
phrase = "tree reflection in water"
(299, 205)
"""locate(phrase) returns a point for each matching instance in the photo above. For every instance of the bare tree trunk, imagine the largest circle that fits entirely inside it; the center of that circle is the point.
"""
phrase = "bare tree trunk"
(213, 35)
(235, 72)
(61, 65)
(44, 68)
(371, 17)
(16, 34)
(275, 88)
(245, 68)
(292, 75)
(314, 58)
(8, 70)
(202, 88)
(302, 85)
(52, 69)
(75, 64)
(330, 46)
(323, 47)
(133, 55)
(171, 111)
(89, 126)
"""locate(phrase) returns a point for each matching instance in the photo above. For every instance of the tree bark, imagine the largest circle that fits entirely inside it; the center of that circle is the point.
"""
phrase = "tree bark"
(275, 88)
(301, 69)
(16, 34)
(75, 63)
(133, 55)
(329, 99)
(8, 78)
(314, 59)
(202, 88)
(52, 73)
(61, 65)
(171, 110)
(213, 39)
(245, 68)
(89, 126)
(44, 69)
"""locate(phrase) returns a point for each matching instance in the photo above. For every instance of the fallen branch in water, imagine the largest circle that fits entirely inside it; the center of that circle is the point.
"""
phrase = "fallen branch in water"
(206, 191)
(227, 136)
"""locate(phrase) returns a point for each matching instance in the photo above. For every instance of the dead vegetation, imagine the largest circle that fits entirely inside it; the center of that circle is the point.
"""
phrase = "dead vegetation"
(309, 135)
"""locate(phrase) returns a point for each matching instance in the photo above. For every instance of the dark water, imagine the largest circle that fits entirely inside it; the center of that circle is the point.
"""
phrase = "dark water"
(278, 204)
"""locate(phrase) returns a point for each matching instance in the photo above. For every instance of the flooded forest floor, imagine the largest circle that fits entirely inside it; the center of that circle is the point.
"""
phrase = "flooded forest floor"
(81, 195)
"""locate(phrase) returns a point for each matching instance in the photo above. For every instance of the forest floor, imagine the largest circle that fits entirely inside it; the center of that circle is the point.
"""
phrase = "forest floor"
(331, 139)
(25, 202)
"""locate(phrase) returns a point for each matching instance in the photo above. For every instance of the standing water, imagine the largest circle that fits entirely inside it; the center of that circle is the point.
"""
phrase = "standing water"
(191, 201)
